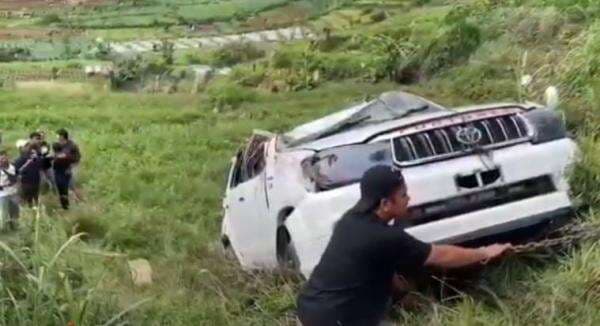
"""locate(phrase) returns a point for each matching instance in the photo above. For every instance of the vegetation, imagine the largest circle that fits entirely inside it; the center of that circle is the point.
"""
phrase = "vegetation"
(154, 164)
(166, 13)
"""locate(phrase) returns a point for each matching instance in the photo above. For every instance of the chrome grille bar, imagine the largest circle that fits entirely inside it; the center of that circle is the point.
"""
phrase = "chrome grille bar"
(501, 124)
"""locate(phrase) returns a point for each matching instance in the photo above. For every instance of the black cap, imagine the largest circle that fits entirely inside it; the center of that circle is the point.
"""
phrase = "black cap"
(378, 183)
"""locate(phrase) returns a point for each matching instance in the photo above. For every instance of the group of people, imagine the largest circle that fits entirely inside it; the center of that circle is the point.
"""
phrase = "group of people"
(40, 163)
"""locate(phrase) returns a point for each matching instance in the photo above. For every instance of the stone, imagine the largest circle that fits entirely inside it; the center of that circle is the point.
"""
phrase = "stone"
(141, 272)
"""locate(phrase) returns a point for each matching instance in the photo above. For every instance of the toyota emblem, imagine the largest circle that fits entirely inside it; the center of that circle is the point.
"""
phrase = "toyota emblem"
(469, 136)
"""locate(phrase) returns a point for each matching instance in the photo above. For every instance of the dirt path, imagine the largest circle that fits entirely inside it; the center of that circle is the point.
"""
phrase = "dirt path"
(278, 35)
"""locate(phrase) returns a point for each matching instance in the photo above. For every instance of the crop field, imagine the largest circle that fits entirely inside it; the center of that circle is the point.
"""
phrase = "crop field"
(161, 13)
(155, 163)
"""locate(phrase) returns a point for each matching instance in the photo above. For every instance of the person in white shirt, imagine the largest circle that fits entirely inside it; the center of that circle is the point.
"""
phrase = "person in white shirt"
(8, 174)
(9, 206)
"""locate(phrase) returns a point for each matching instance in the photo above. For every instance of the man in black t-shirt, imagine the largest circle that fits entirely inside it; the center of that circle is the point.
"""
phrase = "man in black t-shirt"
(29, 167)
(352, 284)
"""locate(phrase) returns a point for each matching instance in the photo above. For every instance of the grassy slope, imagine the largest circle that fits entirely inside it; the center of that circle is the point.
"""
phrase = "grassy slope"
(154, 168)
(153, 174)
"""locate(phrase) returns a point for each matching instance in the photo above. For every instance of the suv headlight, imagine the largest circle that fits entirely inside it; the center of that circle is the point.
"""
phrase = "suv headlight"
(547, 125)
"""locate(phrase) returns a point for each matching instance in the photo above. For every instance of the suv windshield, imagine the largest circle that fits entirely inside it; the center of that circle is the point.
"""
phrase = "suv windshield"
(344, 165)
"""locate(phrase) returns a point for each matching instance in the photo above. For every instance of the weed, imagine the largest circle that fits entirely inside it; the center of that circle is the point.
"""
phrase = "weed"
(235, 53)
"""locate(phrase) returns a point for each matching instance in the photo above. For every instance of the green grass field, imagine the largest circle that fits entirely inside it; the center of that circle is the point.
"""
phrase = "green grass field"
(155, 164)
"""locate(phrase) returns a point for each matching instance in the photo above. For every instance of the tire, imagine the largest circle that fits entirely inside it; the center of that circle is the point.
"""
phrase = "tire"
(286, 252)
(227, 249)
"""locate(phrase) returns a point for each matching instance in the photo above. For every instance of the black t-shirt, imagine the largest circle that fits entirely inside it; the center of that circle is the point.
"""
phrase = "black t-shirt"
(30, 172)
(352, 283)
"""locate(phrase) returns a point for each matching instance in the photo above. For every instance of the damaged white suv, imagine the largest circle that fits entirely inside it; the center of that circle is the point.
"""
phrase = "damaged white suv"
(472, 172)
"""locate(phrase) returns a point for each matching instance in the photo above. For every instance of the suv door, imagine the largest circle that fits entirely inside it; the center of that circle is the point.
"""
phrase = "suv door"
(249, 228)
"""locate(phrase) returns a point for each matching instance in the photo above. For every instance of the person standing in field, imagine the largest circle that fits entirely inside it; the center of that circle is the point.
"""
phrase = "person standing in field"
(72, 153)
(9, 207)
(29, 168)
(62, 174)
(66, 156)
(39, 138)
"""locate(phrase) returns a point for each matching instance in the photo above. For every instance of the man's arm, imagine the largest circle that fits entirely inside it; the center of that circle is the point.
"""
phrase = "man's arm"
(448, 256)
(18, 163)
(75, 154)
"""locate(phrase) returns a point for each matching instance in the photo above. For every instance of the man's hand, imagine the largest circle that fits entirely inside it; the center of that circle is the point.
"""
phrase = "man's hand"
(449, 256)
(494, 251)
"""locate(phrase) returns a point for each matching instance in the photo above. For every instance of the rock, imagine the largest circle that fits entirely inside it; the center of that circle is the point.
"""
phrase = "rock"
(141, 272)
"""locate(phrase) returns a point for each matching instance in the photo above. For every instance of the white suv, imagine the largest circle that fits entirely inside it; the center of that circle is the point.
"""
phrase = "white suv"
(472, 172)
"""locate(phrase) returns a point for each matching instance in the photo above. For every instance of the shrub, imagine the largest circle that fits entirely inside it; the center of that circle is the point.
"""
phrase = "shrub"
(12, 54)
(285, 58)
(235, 53)
(249, 76)
(331, 43)
(229, 96)
(378, 16)
(581, 67)
(455, 44)
(194, 58)
(50, 19)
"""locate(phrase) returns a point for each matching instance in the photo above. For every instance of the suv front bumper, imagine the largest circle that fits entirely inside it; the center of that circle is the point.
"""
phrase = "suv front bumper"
(494, 220)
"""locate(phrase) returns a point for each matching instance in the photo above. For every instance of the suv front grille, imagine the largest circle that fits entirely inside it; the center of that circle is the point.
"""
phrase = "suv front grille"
(439, 143)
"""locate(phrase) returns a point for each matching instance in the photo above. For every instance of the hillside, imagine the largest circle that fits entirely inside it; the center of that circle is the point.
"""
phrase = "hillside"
(156, 156)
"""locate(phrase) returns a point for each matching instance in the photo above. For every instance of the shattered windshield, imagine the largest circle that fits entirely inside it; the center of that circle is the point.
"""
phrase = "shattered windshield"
(388, 106)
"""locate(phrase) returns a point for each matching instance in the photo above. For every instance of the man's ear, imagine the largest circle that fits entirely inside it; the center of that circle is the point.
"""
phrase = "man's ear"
(383, 204)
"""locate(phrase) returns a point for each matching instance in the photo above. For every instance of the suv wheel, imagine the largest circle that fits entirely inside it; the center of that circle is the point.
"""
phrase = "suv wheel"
(286, 252)
(227, 249)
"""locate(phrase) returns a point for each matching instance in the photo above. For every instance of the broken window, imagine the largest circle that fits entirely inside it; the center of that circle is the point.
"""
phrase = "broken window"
(340, 166)
(250, 161)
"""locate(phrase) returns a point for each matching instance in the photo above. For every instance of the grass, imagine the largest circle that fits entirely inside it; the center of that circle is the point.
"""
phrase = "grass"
(154, 168)
(172, 154)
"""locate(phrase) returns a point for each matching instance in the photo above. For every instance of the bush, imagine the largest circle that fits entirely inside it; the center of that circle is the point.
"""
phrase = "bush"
(582, 66)
(331, 43)
(13, 54)
(235, 53)
(538, 26)
(285, 58)
(249, 76)
(194, 58)
(378, 16)
(344, 65)
(229, 96)
(49, 19)
(455, 44)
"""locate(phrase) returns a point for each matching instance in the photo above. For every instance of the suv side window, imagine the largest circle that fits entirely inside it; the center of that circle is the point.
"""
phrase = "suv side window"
(236, 173)
(249, 162)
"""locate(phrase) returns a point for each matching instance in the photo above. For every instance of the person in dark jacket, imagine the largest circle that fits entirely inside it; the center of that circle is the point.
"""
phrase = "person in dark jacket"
(61, 166)
(353, 282)
(29, 168)
(70, 151)
(39, 139)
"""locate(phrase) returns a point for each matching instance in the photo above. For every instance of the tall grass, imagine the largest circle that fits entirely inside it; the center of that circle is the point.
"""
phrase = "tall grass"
(42, 281)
